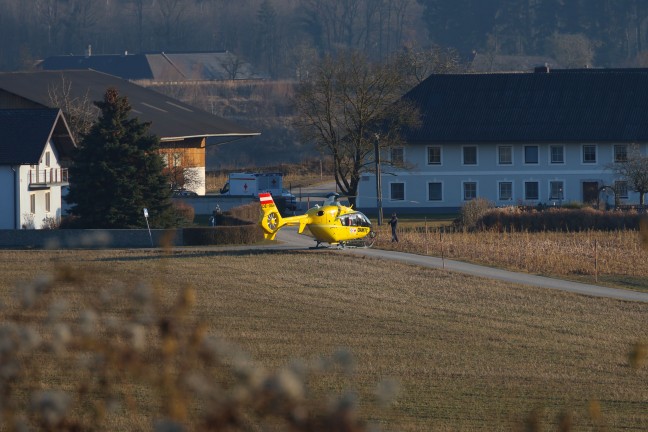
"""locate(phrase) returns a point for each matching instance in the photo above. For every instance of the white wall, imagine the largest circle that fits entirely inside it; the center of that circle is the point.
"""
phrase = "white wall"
(35, 219)
(487, 174)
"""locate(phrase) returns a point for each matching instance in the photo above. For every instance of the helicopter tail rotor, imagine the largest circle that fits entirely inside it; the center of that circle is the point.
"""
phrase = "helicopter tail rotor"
(270, 220)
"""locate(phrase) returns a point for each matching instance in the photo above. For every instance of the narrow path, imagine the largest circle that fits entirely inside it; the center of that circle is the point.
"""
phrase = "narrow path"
(289, 239)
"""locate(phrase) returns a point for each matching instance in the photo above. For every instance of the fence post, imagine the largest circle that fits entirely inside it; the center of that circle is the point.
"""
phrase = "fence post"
(442, 252)
(596, 261)
(426, 237)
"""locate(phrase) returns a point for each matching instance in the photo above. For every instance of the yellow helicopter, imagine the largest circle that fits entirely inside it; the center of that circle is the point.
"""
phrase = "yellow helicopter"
(331, 223)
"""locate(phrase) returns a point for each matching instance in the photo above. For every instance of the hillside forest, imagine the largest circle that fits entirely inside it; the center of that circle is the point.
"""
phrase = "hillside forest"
(281, 38)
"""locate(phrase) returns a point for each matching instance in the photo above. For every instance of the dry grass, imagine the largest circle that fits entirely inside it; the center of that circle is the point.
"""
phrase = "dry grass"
(295, 175)
(467, 353)
(614, 258)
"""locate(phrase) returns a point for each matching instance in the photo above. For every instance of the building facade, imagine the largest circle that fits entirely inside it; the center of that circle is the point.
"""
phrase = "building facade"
(33, 146)
(542, 138)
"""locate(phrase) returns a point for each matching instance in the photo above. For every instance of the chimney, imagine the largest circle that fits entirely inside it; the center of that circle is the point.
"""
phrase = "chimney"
(542, 69)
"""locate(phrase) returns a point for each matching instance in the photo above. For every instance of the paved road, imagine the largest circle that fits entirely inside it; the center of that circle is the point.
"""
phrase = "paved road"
(289, 239)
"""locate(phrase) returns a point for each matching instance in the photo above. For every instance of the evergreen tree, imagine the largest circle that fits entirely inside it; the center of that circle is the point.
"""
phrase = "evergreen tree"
(117, 172)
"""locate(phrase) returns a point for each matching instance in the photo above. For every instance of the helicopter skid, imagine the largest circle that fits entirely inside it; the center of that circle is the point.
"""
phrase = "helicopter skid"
(364, 243)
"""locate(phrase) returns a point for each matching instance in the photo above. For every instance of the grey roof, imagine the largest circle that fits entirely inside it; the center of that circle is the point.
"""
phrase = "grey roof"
(159, 66)
(579, 105)
(134, 67)
(170, 118)
(25, 132)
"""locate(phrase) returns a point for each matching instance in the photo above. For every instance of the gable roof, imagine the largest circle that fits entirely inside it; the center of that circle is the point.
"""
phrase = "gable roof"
(25, 132)
(578, 105)
(157, 66)
(170, 118)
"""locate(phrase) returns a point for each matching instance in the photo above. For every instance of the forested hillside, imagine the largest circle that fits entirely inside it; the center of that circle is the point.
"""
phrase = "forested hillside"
(280, 39)
(278, 36)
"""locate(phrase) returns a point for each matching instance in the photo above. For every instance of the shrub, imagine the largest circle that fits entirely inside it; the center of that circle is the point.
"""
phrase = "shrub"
(51, 223)
(557, 219)
(472, 212)
(185, 212)
(249, 212)
(244, 233)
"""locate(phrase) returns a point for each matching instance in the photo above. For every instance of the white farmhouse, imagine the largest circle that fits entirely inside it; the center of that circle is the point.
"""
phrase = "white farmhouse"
(547, 137)
(33, 144)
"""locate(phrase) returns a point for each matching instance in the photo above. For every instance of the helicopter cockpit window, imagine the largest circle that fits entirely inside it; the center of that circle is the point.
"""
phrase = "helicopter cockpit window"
(355, 219)
(345, 221)
(362, 220)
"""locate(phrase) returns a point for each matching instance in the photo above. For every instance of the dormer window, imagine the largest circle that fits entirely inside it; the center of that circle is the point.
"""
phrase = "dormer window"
(47, 159)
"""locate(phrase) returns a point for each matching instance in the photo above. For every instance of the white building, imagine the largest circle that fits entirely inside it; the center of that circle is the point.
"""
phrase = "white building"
(33, 145)
(548, 137)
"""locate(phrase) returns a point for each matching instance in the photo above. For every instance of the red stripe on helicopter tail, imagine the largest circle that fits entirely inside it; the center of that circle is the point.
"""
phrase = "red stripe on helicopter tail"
(266, 198)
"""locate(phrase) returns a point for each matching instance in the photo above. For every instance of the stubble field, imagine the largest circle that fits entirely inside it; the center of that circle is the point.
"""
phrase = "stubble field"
(456, 352)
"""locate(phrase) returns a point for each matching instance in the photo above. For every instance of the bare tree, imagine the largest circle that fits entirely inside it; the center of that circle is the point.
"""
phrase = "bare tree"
(417, 65)
(172, 13)
(344, 105)
(634, 170)
(572, 50)
(232, 65)
(81, 113)
(180, 176)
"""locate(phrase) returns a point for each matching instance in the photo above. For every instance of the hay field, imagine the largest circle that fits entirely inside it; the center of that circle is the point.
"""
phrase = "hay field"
(463, 353)
(609, 258)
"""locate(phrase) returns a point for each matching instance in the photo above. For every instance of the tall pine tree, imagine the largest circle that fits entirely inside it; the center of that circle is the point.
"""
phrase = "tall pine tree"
(117, 172)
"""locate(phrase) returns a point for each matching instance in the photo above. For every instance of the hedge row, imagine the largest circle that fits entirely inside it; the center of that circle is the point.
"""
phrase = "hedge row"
(236, 226)
(222, 235)
(558, 219)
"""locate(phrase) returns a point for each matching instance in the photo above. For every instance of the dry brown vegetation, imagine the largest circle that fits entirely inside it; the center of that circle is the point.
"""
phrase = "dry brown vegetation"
(122, 331)
(306, 173)
(614, 258)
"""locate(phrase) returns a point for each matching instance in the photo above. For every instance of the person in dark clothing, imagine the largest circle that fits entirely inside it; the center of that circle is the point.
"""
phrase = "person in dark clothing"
(393, 222)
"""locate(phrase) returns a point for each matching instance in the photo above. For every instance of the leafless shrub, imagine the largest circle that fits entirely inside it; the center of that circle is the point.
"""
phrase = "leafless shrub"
(51, 223)
(472, 211)
(28, 221)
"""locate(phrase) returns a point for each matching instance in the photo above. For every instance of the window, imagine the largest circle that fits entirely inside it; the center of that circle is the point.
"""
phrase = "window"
(47, 159)
(505, 191)
(505, 155)
(397, 191)
(556, 190)
(557, 154)
(435, 191)
(434, 155)
(397, 156)
(32, 203)
(469, 191)
(470, 155)
(589, 154)
(47, 202)
(621, 188)
(620, 153)
(530, 154)
(531, 191)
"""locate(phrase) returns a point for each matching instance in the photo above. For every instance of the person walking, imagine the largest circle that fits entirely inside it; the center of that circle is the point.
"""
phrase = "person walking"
(393, 222)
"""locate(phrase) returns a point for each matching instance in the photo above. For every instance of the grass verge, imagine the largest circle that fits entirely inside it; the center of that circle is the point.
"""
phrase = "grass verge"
(464, 353)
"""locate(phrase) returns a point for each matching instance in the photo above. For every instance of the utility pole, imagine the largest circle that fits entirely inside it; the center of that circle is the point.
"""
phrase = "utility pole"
(378, 181)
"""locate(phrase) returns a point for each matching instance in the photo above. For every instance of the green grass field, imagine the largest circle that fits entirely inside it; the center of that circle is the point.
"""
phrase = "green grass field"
(464, 353)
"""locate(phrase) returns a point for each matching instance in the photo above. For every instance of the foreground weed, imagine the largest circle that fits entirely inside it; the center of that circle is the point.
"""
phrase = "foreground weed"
(123, 357)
